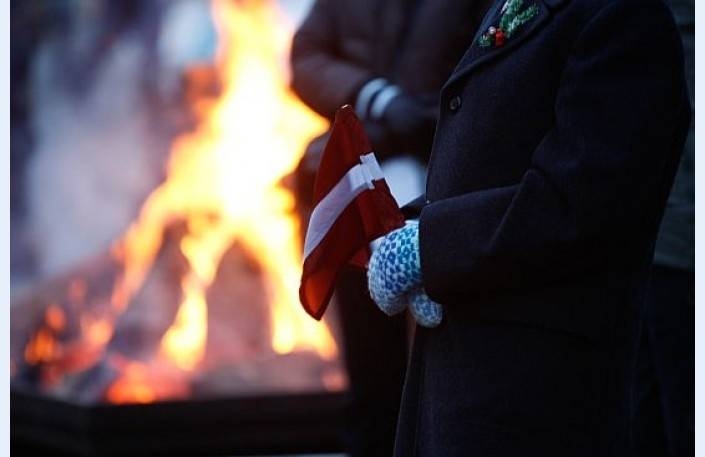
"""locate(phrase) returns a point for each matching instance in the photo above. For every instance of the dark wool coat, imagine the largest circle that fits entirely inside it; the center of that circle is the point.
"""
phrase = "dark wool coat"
(551, 164)
(343, 44)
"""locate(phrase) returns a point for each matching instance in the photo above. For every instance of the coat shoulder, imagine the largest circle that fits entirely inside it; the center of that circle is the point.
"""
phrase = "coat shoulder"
(624, 24)
(591, 10)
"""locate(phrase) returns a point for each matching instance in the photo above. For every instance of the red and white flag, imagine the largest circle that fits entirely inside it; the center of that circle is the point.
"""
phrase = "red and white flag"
(352, 207)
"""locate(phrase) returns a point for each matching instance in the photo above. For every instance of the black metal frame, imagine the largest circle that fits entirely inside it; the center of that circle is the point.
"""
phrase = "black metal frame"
(275, 424)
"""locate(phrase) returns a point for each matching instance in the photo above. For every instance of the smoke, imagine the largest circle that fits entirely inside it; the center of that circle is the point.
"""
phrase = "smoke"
(93, 162)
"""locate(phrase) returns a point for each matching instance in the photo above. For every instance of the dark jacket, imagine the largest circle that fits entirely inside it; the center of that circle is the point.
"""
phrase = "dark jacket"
(414, 44)
(675, 245)
(342, 44)
(550, 169)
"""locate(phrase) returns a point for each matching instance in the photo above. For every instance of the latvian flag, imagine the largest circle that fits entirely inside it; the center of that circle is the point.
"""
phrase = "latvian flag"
(352, 207)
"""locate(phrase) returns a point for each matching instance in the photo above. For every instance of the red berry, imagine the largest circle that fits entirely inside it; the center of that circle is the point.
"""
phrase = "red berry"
(499, 37)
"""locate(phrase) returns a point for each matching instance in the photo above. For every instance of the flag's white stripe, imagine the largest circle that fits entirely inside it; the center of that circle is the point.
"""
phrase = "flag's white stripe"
(333, 204)
(352, 184)
(370, 162)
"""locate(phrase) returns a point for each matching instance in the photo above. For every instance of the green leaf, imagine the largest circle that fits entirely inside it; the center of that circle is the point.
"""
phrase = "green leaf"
(521, 19)
(484, 41)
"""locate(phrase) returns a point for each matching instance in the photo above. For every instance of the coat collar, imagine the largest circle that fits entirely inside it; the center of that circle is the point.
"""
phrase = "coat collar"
(554, 4)
(476, 55)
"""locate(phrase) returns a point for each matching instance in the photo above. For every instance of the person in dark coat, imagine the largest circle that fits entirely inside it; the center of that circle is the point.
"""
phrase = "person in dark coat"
(664, 423)
(388, 58)
(369, 52)
(559, 135)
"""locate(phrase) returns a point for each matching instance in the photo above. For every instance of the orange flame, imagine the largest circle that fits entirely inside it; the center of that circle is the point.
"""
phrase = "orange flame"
(224, 180)
(42, 347)
(184, 343)
(133, 387)
(55, 318)
(230, 169)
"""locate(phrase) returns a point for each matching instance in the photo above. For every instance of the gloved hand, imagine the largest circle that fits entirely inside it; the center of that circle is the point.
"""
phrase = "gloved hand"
(394, 277)
(395, 121)
(427, 312)
(410, 122)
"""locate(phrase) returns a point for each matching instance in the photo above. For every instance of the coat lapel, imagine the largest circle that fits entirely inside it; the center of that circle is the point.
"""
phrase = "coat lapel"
(477, 55)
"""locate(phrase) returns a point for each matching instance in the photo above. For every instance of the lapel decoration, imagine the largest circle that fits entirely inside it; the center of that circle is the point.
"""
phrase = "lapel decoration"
(511, 20)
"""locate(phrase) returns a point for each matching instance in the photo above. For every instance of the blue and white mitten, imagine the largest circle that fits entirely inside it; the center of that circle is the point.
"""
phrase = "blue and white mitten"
(394, 277)
(427, 312)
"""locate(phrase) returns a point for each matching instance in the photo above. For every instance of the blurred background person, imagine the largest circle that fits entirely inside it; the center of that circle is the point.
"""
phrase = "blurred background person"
(389, 59)
(665, 414)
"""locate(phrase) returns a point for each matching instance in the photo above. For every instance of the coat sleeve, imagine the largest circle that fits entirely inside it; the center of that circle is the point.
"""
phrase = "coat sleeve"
(597, 181)
(320, 76)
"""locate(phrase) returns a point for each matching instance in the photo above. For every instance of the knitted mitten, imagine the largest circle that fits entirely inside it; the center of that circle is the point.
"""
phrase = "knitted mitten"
(395, 268)
(427, 312)
(394, 276)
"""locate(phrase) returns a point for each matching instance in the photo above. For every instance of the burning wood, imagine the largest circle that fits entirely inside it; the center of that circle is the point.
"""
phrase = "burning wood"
(55, 331)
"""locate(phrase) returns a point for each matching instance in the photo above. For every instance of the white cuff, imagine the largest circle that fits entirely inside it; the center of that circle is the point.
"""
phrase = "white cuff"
(366, 94)
(382, 100)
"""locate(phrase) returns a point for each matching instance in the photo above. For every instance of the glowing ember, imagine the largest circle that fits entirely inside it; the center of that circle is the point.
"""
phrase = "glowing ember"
(96, 331)
(42, 348)
(55, 318)
(133, 387)
(137, 383)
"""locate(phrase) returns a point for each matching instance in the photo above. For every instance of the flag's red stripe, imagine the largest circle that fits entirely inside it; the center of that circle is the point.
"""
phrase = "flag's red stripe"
(372, 214)
(347, 142)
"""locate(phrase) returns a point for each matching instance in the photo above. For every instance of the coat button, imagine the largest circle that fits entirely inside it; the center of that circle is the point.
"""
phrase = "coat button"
(455, 103)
